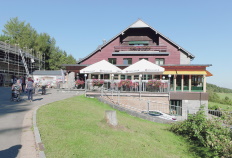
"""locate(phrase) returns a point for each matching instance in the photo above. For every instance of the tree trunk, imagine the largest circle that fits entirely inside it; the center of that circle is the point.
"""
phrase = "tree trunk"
(111, 117)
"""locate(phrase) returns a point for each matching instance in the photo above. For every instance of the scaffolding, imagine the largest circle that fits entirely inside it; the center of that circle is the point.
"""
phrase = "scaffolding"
(16, 62)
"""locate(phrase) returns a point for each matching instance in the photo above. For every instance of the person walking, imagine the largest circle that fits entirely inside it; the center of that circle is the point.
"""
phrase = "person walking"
(29, 87)
(44, 84)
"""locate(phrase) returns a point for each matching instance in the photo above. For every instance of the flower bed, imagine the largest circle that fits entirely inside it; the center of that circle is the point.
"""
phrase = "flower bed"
(97, 82)
(80, 84)
(153, 85)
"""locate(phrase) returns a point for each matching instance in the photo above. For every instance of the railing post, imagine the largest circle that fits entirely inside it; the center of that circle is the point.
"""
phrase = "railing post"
(101, 91)
(148, 105)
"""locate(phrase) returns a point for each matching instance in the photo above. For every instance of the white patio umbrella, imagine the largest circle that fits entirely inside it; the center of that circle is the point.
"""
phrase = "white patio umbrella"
(143, 67)
(101, 67)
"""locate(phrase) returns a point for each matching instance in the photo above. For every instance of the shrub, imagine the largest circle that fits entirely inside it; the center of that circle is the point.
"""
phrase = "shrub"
(213, 107)
(80, 82)
(97, 82)
(153, 83)
(127, 83)
(210, 134)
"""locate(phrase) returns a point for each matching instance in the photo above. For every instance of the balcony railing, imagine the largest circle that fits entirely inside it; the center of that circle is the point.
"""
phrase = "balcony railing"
(159, 48)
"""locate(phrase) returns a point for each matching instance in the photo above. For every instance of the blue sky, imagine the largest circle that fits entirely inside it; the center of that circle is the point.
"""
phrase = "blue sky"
(203, 27)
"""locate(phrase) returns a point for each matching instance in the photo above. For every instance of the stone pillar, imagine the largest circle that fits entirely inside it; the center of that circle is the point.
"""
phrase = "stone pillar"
(132, 77)
(182, 83)
(204, 83)
(71, 80)
(174, 83)
(190, 83)
(89, 76)
(99, 76)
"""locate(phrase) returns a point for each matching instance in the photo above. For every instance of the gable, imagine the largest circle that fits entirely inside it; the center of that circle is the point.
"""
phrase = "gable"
(145, 33)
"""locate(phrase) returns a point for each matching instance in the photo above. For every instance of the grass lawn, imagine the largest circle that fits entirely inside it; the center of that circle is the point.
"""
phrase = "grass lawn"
(223, 106)
(75, 127)
(223, 95)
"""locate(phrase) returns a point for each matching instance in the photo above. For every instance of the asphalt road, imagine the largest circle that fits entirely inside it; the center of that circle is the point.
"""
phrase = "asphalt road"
(12, 115)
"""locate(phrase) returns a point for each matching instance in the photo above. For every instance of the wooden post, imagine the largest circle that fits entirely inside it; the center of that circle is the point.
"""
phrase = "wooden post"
(204, 83)
(182, 83)
(190, 83)
(132, 77)
(175, 76)
(111, 117)
(119, 77)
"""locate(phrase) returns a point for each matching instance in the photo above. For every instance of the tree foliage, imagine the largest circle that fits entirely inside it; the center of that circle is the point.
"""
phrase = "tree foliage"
(42, 45)
(217, 89)
(214, 97)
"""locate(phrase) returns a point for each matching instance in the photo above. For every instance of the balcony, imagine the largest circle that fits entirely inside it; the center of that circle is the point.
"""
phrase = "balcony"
(160, 48)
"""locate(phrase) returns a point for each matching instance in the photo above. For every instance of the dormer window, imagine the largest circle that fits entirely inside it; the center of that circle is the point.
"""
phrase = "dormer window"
(138, 43)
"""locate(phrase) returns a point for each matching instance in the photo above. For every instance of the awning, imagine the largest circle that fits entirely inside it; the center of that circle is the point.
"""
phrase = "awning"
(191, 73)
(169, 72)
(208, 73)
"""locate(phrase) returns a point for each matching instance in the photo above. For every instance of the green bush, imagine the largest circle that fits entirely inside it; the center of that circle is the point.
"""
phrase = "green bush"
(209, 134)
(213, 107)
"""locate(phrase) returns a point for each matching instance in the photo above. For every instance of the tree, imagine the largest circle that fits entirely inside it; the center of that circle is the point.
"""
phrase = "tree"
(43, 45)
(20, 33)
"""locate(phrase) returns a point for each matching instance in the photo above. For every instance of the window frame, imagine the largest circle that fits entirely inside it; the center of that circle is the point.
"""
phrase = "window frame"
(159, 60)
(111, 62)
(127, 61)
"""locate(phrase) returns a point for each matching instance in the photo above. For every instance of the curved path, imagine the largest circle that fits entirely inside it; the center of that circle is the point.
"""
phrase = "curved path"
(12, 117)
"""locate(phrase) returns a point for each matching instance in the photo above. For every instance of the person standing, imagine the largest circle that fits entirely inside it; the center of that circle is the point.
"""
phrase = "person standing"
(36, 88)
(29, 87)
(21, 82)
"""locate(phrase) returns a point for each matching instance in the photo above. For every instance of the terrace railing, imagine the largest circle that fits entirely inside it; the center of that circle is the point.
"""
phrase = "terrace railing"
(159, 48)
(162, 86)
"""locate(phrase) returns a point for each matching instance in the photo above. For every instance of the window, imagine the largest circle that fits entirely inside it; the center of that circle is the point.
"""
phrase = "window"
(127, 61)
(176, 107)
(112, 61)
(143, 58)
(159, 61)
(138, 43)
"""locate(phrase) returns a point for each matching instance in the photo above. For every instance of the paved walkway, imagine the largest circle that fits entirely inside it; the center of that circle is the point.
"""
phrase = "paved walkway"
(15, 120)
